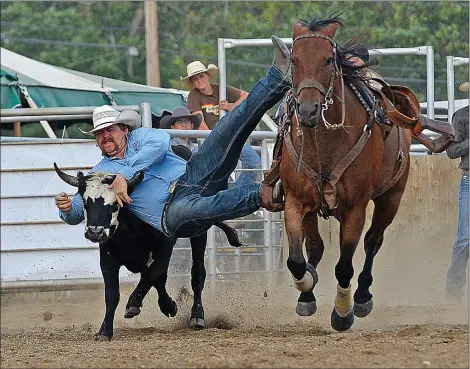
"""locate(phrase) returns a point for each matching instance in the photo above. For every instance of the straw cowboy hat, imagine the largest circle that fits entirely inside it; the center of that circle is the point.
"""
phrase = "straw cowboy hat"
(464, 87)
(105, 116)
(180, 113)
(194, 68)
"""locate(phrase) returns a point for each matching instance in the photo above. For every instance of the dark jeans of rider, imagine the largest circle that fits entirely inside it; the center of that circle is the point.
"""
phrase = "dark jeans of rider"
(201, 197)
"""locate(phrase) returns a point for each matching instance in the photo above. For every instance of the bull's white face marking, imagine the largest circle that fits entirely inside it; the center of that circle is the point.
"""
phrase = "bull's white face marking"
(97, 188)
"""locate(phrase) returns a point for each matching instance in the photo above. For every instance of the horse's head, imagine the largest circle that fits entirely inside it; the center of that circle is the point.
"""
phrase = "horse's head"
(314, 65)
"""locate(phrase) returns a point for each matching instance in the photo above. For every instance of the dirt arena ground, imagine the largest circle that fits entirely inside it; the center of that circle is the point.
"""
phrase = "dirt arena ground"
(247, 326)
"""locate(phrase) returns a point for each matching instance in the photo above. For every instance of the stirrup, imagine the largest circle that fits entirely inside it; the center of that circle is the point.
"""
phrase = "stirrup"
(272, 198)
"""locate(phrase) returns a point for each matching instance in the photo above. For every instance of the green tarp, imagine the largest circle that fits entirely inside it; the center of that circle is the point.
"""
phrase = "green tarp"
(51, 86)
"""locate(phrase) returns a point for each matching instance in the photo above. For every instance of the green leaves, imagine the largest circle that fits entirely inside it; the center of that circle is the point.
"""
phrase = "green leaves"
(93, 37)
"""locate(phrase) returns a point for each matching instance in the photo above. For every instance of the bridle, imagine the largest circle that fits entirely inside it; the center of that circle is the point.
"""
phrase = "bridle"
(311, 83)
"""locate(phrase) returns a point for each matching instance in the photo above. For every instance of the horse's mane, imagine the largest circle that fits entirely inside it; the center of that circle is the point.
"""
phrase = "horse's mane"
(345, 54)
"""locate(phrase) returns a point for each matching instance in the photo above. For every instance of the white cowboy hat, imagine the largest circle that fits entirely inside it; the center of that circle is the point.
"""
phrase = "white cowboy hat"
(105, 116)
(180, 112)
(464, 87)
(194, 68)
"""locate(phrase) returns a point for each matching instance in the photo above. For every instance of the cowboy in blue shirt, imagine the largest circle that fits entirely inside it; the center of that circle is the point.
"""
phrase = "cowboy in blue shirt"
(178, 198)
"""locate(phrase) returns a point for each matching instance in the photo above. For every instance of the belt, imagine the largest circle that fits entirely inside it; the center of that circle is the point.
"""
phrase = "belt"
(171, 190)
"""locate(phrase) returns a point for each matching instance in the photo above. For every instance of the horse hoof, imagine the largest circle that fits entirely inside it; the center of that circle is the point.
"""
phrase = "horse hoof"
(306, 308)
(362, 310)
(131, 312)
(102, 338)
(196, 323)
(342, 324)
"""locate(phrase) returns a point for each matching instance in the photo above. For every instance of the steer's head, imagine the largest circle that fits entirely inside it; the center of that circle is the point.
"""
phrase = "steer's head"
(100, 204)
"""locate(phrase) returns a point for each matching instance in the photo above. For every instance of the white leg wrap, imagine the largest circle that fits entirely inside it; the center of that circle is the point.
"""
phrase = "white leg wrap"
(305, 284)
(343, 301)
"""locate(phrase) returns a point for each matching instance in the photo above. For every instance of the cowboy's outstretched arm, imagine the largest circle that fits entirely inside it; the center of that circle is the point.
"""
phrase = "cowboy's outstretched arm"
(152, 147)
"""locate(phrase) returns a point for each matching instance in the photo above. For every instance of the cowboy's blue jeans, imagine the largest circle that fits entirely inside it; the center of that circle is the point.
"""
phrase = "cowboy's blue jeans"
(201, 196)
(250, 160)
(456, 275)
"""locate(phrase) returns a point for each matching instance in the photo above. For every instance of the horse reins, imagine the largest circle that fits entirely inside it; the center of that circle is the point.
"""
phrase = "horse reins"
(292, 101)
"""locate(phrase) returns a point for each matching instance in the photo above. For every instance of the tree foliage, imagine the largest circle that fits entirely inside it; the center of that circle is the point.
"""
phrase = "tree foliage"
(94, 36)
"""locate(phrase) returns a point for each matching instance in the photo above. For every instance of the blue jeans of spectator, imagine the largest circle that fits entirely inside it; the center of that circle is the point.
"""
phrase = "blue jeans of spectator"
(456, 275)
(250, 160)
(201, 196)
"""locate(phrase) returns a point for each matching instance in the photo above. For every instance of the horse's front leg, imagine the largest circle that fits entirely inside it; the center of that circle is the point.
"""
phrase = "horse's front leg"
(304, 279)
(198, 277)
(352, 224)
(307, 304)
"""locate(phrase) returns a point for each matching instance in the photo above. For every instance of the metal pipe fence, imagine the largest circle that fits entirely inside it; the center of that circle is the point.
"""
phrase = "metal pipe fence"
(452, 62)
(228, 43)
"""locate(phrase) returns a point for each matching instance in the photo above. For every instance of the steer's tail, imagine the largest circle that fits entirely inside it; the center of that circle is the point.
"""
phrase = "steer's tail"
(231, 234)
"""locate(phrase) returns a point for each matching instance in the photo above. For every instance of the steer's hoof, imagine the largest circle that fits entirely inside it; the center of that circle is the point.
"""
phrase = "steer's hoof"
(168, 307)
(306, 308)
(362, 310)
(102, 338)
(131, 312)
(196, 323)
(342, 324)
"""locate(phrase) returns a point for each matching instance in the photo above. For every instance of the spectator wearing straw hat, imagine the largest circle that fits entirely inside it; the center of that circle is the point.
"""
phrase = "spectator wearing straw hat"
(204, 99)
(459, 149)
(182, 119)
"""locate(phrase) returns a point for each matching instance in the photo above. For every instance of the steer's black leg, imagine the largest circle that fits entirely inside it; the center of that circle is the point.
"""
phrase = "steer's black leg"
(109, 265)
(134, 303)
(158, 274)
(198, 277)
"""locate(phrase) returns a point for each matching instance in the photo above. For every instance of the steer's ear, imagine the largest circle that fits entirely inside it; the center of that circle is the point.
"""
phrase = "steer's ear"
(134, 181)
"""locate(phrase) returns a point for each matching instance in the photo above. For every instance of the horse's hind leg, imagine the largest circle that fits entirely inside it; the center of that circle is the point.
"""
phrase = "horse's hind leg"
(352, 224)
(307, 304)
(198, 277)
(385, 209)
(303, 278)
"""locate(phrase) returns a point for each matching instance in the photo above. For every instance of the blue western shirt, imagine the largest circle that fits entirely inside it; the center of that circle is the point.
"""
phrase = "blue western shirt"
(148, 150)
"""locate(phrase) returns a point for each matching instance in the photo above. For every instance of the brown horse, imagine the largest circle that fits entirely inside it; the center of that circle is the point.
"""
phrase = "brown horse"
(338, 159)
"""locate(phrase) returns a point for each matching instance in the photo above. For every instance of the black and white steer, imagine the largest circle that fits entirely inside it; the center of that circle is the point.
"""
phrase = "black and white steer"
(125, 240)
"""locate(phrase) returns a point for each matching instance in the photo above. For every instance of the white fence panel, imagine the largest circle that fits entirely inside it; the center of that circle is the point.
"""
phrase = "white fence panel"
(42, 155)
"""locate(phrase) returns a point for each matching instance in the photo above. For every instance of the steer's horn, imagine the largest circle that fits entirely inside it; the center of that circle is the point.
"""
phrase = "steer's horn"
(134, 181)
(67, 178)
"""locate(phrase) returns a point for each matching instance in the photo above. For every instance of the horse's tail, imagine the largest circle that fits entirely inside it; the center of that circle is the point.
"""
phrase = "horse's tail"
(231, 234)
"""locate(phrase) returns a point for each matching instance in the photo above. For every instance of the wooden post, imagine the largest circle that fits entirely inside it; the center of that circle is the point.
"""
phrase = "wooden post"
(17, 129)
(151, 43)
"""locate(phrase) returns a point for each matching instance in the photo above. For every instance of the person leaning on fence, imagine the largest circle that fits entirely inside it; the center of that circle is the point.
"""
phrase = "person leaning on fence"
(182, 119)
(204, 99)
(459, 149)
(184, 199)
